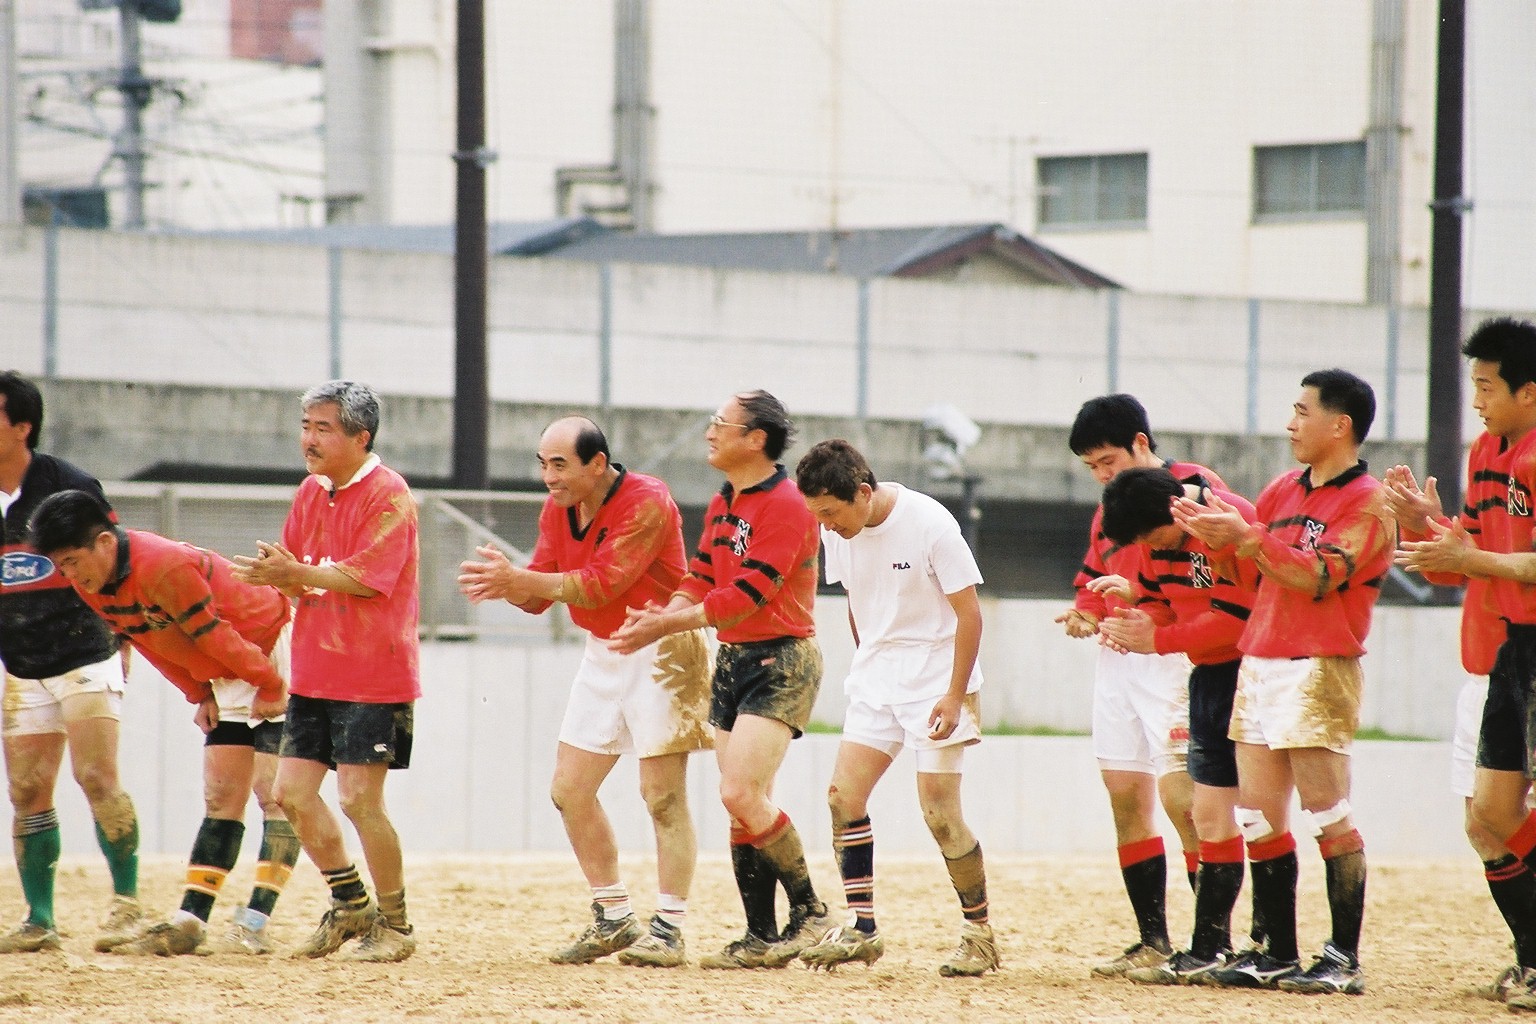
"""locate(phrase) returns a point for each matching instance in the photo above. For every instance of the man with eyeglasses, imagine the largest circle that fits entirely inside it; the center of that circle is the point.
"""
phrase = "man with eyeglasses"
(753, 578)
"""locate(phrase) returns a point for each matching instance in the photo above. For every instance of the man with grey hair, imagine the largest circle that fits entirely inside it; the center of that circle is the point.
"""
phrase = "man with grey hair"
(349, 555)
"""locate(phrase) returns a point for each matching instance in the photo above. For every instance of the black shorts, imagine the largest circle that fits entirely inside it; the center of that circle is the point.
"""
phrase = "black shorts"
(1507, 736)
(347, 732)
(1212, 756)
(266, 737)
(776, 679)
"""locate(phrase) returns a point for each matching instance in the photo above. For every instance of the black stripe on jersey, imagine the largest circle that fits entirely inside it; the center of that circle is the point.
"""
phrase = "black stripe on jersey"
(764, 568)
(206, 628)
(751, 591)
(1090, 571)
(1289, 521)
(702, 555)
(1377, 582)
(1489, 476)
(122, 609)
(1485, 505)
(1237, 611)
(195, 609)
(143, 627)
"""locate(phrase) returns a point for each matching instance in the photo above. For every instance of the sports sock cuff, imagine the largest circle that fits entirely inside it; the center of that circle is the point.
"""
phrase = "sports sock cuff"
(739, 834)
(1191, 861)
(1504, 868)
(1524, 840)
(1269, 849)
(1338, 846)
(32, 824)
(780, 825)
(1145, 849)
(1225, 851)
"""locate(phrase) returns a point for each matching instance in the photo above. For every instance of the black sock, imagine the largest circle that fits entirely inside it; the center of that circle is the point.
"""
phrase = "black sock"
(1346, 898)
(1146, 881)
(1214, 898)
(214, 852)
(1274, 892)
(1513, 888)
(756, 881)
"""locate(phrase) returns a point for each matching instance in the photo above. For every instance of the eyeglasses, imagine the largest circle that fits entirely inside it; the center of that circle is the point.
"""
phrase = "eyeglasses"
(716, 421)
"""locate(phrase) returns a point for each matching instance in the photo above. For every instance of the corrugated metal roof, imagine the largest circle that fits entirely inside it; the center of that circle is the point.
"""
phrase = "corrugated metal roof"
(857, 252)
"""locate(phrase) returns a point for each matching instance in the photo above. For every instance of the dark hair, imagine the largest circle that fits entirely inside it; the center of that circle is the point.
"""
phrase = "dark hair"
(591, 441)
(357, 406)
(1509, 342)
(766, 413)
(23, 404)
(1112, 420)
(1136, 502)
(833, 467)
(68, 519)
(1340, 391)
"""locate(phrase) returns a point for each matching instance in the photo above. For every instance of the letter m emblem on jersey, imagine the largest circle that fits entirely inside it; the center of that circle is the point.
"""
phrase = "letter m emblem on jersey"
(1200, 571)
(1311, 533)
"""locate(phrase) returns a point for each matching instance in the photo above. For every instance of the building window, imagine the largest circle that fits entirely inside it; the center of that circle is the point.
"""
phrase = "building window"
(1098, 191)
(1305, 182)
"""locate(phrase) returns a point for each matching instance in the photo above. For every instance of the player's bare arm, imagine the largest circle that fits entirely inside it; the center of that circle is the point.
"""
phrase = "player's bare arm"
(644, 626)
(276, 566)
(945, 716)
(1409, 505)
(1450, 549)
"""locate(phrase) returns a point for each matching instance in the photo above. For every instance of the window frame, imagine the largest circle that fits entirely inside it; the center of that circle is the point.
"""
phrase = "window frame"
(1096, 196)
(1314, 211)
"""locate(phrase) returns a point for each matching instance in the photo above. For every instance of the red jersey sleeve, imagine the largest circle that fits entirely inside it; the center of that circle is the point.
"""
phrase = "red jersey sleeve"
(183, 593)
(378, 565)
(772, 554)
(1332, 560)
(631, 547)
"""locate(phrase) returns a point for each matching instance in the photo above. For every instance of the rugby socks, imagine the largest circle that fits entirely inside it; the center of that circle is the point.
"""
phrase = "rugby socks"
(1144, 867)
(1192, 869)
(214, 853)
(672, 910)
(785, 856)
(1523, 842)
(1513, 889)
(755, 881)
(347, 887)
(1220, 880)
(1273, 865)
(274, 866)
(613, 899)
(854, 844)
(968, 874)
(392, 911)
(1344, 863)
(37, 845)
(117, 833)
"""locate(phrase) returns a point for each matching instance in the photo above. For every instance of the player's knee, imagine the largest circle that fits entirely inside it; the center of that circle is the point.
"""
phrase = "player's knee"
(666, 805)
(362, 805)
(220, 798)
(738, 798)
(97, 781)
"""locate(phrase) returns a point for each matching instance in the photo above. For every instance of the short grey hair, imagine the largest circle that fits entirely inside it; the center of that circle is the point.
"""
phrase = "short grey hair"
(357, 403)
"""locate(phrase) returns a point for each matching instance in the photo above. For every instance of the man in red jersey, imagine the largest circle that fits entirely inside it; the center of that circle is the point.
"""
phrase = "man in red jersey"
(1187, 599)
(349, 555)
(1494, 540)
(610, 540)
(1323, 542)
(1140, 701)
(753, 578)
(224, 645)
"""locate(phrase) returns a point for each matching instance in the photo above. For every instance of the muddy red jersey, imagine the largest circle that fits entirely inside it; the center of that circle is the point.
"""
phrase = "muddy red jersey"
(628, 556)
(1324, 553)
(1105, 556)
(755, 568)
(1503, 521)
(1209, 595)
(346, 647)
(193, 621)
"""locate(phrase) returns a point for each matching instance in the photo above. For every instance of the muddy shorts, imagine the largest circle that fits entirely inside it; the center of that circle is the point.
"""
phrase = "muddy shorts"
(1297, 703)
(775, 679)
(649, 703)
(1508, 733)
(263, 737)
(336, 732)
(1212, 754)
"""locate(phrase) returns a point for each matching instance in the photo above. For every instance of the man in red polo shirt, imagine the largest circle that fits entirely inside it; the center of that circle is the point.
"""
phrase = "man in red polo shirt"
(224, 645)
(610, 540)
(753, 578)
(349, 556)
(1323, 541)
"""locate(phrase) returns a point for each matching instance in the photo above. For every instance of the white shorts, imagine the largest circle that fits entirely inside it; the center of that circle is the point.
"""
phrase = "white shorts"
(1141, 712)
(235, 695)
(1297, 703)
(34, 706)
(649, 703)
(889, 727)
(1469, 722)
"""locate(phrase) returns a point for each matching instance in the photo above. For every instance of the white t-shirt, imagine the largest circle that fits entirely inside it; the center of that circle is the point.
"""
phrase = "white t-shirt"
(897, 575)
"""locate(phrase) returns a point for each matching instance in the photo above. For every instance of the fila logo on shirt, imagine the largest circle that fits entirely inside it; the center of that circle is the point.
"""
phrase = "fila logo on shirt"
(901, 565)
(1519, 501)
(1200, 571)
(1311, 533)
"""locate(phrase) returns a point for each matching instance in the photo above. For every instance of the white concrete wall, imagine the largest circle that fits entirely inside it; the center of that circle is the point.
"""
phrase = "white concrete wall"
(485, 742)
(246, 314)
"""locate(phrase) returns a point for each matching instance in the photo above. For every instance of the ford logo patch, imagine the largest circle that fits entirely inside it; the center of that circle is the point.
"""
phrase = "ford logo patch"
(18, 568)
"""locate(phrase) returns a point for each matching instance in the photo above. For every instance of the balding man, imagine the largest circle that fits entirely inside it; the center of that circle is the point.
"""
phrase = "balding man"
(611, 540)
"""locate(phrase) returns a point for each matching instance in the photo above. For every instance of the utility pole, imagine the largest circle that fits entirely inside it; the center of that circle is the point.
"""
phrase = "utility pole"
(10, 180)
(471, 392)
(1443, 454)
(136, 91)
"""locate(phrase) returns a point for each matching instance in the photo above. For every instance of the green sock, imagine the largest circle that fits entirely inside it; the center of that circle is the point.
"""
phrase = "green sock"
(37, 858)
(119, 840)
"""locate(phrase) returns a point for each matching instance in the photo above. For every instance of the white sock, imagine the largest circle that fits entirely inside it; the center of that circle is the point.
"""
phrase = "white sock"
(614, 899)
(672, 909)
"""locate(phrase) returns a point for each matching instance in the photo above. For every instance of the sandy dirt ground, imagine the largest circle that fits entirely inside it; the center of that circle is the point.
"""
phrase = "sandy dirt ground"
(485, 923)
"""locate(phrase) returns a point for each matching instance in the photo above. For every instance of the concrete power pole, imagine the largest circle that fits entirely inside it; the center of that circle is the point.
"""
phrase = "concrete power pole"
(10, 180)
(129, 147)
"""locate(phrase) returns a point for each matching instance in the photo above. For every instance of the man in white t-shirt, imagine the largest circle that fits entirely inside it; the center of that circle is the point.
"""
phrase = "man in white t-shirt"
(916, 622)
